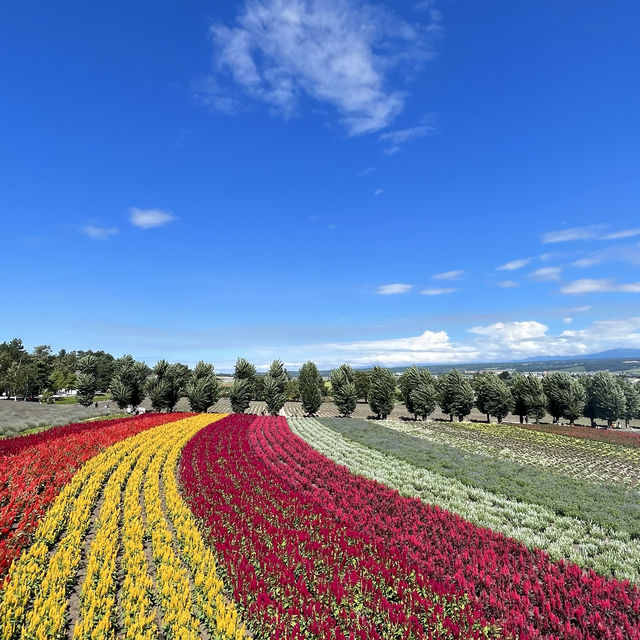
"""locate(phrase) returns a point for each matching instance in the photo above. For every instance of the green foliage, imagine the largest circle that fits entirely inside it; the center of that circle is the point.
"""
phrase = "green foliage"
(86, 381)
(244, 370)
(203, 388)
(275, 387)
(343, 390)
(417, 391)
(529, 398)
(455, 394)
(310, 394)
(566, 396)
(240, 395)
(605, 397)
(362, 380)
(382, 392)
(128, 383)
(274, 393)
(632, 400)
(493, 395)
(293, 390)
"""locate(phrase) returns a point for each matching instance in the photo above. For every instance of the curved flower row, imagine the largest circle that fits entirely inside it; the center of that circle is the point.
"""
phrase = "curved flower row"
(295, 568)
(34, 468)
(133, 478)
(524, 591)
(583, 459)
(586, 544)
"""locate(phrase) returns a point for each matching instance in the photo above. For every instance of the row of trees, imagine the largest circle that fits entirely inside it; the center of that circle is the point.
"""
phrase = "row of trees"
(25, 374)
(601, 396)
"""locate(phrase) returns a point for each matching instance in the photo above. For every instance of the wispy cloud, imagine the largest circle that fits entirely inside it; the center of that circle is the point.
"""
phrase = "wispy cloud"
(602, 285)
(99, 233)
(616, 253)
(378, 192)
(391, 151)
(367, 171)
(149, 218)
(626, 233)
(576, 233)
(449, 275)
(567, 320)
(405, 135)
(514, 264)
(585, 307)
(546, 274)
(436, 292)
(393, 289)
(337, 52)
(508, 284)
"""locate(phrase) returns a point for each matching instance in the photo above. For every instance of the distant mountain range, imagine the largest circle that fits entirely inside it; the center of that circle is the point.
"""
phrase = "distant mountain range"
(601, 355)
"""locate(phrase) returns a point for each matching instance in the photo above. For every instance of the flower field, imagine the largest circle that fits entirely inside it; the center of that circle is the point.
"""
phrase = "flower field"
(220, 526)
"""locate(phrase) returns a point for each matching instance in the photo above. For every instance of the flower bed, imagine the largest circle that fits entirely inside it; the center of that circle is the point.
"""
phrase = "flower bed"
(34, 468)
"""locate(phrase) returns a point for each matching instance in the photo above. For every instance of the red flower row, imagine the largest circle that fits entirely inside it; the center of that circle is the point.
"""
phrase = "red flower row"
(275, 508)
(34, 468)
(296, 569)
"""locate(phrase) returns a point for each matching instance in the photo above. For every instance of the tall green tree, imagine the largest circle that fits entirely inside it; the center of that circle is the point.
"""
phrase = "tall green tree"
(455, 394)
(203, 388)
(632, 400)
(382, 389)
(605, 397)
(420, 403)
(87, 383)
(310, 395)
(129, 382)
(424, 397)
(362, 380)
(343, 390)
(556, 385)
(240, 395)
(493, 395)
(275, 387)
(244, 370)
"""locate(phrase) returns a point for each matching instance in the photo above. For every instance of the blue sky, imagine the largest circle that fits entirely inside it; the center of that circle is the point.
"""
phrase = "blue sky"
(373, 183)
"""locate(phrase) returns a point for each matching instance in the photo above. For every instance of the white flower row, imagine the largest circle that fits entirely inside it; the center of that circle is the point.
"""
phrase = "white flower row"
(586, 544)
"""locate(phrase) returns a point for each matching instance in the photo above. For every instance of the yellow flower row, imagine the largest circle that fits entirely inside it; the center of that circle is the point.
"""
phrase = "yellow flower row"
(220, 615)
(35, 570)
(185, 570)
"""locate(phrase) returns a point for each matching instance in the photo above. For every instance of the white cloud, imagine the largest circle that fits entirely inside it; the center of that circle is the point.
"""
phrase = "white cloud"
(546, 274)
(617, 253)
(431, 346)
(337, 52)
(99, 233)
(436, 292)
(586, 307)
(602, 285)
(576, 233)
(449, 275)
(391, 289)
(405, 135)
(149, 218)
(514, 264)
(391, 151)
(508, 284)
(567, 320)
(366, 171)
(496, 342)
(377, 192)
(626, 233)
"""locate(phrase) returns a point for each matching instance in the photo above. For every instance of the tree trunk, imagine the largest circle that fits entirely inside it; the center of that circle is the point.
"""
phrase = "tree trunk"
(451, 417)
(521, 418)
(488, 418)
(593, 422)
(460, 418)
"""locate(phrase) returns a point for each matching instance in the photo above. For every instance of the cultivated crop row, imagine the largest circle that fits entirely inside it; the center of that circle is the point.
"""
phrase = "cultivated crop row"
(585, 460)
(34, 468)
(135, 481)
(611, 552)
